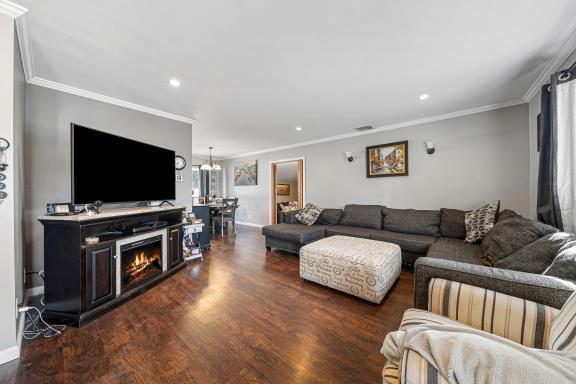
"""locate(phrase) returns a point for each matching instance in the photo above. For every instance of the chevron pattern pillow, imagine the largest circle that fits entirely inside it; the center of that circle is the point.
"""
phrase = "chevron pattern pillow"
(309, 214)
(480, 221)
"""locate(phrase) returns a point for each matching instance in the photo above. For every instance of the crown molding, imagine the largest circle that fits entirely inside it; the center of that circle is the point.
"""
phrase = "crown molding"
(10, 9)
(410, 123)
(107, 99)
(553, 65)
(25, 43)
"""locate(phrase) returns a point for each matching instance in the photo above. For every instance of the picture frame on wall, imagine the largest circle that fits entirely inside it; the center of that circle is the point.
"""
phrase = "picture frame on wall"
(386, 160)
(283, 189)
(246, 173)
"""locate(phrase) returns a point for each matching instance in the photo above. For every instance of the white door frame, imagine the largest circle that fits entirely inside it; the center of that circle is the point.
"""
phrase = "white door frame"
(270, 191)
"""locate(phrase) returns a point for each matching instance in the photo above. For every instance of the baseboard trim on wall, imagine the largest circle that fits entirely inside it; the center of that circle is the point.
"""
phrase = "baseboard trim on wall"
(13, 353)
(249, 224)
(35, 291)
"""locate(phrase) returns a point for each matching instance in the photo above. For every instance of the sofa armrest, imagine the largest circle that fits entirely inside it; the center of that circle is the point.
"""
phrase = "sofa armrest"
(540, 289)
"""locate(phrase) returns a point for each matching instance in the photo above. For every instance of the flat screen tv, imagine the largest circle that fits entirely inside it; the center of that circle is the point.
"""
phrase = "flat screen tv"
(115, 169)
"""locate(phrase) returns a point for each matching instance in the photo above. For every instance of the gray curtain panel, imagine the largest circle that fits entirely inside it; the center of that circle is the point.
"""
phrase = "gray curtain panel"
(547, 206)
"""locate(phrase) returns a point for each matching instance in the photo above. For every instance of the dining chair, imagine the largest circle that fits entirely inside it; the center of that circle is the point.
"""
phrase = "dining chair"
(226, 214)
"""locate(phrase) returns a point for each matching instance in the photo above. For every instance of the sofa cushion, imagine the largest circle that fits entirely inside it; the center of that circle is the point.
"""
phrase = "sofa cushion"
(564, 264)
(537, 256)
(510, 235)
(456, 250)
(347, 230)
(330, 216)
(480, 221)
(452, 223)
(366, 216)
(408, 242)
(416, 222)
(297, 233)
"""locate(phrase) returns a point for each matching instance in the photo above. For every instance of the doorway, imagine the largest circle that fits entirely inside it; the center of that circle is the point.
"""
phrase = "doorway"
(287, 187)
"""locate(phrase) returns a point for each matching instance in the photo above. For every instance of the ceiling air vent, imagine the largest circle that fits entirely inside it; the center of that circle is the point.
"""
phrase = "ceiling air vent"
(364, 128)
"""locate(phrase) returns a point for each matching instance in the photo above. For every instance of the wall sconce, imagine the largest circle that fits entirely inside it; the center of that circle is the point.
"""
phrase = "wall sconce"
(430, 147)
(349, 156)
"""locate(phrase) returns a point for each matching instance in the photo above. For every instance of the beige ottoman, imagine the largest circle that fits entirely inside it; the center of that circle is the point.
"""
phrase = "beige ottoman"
(361, 267)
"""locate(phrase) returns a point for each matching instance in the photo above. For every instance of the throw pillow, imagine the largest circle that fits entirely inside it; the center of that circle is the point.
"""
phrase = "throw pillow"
(564, 264)
(562, 335)
(480, 221)
(506, 214)
(452, 223)
(510, 235)
(309, 214)
(536, 256)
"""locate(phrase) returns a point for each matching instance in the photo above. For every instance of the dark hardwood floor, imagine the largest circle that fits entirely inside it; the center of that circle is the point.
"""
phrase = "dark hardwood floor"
(243, 315)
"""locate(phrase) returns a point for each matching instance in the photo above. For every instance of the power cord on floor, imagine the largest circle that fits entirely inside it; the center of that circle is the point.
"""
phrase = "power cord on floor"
(37, 326)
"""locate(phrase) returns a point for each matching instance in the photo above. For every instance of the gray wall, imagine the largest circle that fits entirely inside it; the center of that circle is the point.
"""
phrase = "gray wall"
(479, 158)
(19, 172)
(49, 116)
(8, 206)
(534, 111)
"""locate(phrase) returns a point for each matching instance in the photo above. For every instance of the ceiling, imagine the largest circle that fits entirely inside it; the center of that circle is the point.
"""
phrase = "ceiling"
(252, 71)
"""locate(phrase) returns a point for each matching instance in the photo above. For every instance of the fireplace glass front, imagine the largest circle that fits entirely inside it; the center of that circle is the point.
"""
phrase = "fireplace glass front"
(140, 261)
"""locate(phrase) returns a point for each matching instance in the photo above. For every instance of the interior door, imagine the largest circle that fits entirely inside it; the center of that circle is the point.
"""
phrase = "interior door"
(274, 174)
(274, 179)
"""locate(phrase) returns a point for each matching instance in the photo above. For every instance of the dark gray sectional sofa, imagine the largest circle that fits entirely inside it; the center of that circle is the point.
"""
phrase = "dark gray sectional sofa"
(432, 233)
(528, 259)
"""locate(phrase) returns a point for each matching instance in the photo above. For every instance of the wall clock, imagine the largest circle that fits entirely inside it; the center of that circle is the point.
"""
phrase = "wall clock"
(180, 163)
(4, 144)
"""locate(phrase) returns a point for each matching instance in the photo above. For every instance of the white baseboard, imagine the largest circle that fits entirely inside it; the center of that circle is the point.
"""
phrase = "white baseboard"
(13, 353)
(10, 354)
(249, 224)
(35, 291)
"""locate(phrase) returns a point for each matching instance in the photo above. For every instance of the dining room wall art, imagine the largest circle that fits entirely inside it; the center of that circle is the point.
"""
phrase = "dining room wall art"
(246, 173)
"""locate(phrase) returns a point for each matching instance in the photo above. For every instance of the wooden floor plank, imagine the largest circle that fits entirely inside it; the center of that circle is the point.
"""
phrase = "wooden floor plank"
(241, 316)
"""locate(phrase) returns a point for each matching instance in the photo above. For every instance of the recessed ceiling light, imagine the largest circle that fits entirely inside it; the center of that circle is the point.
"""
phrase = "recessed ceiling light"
(175, 83)
(298, 128)
(423, 96)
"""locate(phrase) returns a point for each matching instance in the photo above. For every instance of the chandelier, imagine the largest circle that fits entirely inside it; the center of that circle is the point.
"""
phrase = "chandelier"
(210, 165)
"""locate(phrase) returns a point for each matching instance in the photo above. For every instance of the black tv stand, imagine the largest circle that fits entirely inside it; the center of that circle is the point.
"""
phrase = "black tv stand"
(164, 202)
(82, 278)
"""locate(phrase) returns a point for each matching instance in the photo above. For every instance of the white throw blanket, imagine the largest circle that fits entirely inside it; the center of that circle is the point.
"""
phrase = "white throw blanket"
(467, 355)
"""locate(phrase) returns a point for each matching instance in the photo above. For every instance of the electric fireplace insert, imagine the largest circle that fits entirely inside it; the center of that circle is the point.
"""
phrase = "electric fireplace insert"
(140, 261)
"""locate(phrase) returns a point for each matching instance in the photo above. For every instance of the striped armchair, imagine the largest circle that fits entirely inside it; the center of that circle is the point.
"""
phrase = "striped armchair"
(497, 304)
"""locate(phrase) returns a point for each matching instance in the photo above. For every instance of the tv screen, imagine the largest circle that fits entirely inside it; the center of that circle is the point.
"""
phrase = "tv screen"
(114, 169)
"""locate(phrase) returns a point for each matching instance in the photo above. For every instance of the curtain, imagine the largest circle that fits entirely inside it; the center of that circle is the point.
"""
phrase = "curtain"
(564, 123)
(547, 208)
